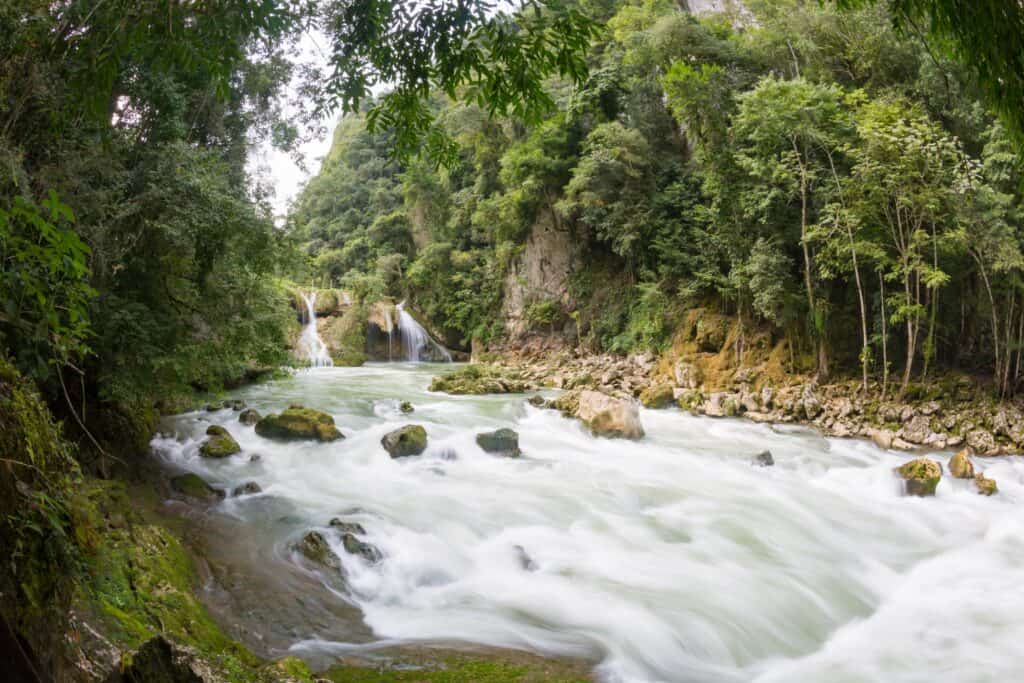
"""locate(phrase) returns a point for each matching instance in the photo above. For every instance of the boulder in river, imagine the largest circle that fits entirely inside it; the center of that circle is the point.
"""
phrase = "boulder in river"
(405, 407)
(657, 396)
(960, 465)
(298, 422)
(247, 489)
(347, 527)
(920, 476)
(537, 401)
(409, 440)
(194, 486)
(503, 442)
(249, 416)
(366, 551)
(609, 416)
(220, 444)
(314, 547)
(237, 404)
(763, 459)
(482, 379)
(985, 486)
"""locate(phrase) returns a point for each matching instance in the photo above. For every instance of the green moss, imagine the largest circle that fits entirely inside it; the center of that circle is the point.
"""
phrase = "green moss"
(462, 669)
(657, 396)
(922, 476)
(298, 422)
(345, 337)
(406, 441)
(220, 444)
(481, 379)
(194, 486)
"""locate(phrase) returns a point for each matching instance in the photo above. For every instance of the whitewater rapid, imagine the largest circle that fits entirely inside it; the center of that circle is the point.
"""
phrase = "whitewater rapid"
(667, 559)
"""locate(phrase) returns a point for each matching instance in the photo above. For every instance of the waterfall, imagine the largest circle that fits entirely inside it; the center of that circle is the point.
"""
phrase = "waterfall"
(310, 341)
(417, 343)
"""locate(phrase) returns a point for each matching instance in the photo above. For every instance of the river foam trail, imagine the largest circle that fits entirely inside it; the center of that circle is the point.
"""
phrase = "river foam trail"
(668, 559)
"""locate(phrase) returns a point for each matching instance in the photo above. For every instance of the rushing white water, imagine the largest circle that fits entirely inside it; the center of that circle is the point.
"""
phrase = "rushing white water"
(667, 559)
(310, 341)
(416, 341)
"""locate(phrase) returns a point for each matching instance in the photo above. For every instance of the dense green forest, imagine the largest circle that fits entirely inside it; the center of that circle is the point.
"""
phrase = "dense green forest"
(815, 170)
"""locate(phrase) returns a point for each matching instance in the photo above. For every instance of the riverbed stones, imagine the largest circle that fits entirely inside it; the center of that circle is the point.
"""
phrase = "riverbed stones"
(406, 441)
(194, 486)
(299, 423)
(347, 527)
(981, 441)
(921, 476)
(247, 489)
(503, 442)
(985, 486)
(960, 465)
(917, 429)
(354, 546)
(315, 548)
(249, 416)
(608, 416)
(657, 396)
(220, 444)
(482, 379)
(537, 401)
(763, 459)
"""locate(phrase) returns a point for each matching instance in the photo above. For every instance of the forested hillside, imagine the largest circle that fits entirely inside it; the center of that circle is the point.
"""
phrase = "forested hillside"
(817, 173)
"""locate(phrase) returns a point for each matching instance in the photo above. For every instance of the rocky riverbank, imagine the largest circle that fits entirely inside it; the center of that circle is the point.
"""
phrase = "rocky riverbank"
(948, 412)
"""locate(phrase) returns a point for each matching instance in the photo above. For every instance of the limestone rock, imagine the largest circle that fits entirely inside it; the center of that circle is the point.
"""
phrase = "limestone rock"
(985, 486)
(882, 437)
(249, 416)
(537, 401)
(406, 441)
(657, 396)
(960, 465)
(297, 423)
(481, 379)
(503, 442)
(916, 430)
(920, 476)
(608, 416)
(687, 375)
(247, 489)
(354, 546)
(347, 527)
(220, 444)
(981, 441)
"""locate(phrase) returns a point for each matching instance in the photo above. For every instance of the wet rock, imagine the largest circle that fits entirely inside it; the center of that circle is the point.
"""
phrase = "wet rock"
(537, 401)
(255, 457)
(930, 408)
(916, 430)
(249, 416)
(347, 527)
(482, 379)
(767, 397)
(409, 440)
(237, 404)
(960, 465)
(212, 407)
(220, 444)
(721, 404)
(809, 403)
(354, 546)
(657, 396)
(504, 442)
(907, 414)
(981, 441)
(525, 561)
(764, 459)
(405, 407)
(883, 438)
(247, 489)
(159, 660)
(920, 476)
(298, 423)
(687, 375)
(448, 454)
(690, 400)
(314, 547)
(1001, 423)
(985, 486)
(608, 416)
(194, 486)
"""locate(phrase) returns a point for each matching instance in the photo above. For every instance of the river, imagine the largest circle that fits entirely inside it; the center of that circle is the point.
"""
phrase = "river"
(672, 558)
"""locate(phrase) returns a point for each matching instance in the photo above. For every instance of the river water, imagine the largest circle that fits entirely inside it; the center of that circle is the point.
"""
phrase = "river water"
(667, 559)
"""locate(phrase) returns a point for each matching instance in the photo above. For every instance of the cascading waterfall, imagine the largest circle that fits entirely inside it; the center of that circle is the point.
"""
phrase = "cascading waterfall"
(310, 341)
(416, 341)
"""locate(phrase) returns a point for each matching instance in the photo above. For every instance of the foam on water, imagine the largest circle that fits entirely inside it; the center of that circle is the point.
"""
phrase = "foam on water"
(667, 559)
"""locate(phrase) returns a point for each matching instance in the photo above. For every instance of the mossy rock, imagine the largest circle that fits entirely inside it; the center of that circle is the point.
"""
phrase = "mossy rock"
(249, 416)
(960, 465)
(691, 400)
(299, 423)
(409, 440)
(194, 486)
(921, 476)
(314, 547)
(481, 379)
(504, 442)
(406, 407)
(985, 486)
(354, 546)
(220, 444)
(657, 396)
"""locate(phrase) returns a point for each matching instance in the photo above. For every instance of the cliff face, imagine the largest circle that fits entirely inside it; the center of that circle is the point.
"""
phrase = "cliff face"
(541, 272)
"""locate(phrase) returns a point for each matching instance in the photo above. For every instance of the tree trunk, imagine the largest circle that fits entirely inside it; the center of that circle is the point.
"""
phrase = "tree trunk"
(885, 337)
(804, 189)
(910, 321)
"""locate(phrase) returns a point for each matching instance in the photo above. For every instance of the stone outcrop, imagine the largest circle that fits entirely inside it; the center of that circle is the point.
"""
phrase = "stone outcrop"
(608, 416)
(657, 396)
(409, 440)
(194, 486)
(481, 379)
(299, 423)
(504, 442)
(220, 443)
(921, 476)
